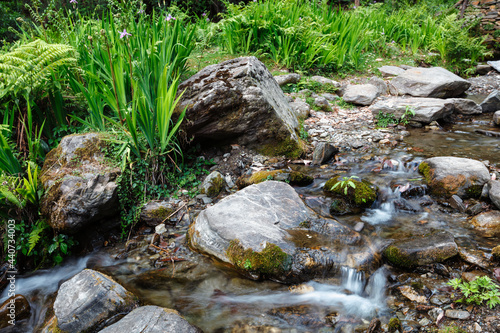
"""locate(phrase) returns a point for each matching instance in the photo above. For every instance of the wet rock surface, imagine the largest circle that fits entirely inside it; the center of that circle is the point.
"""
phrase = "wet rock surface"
(258, 230)
(14, 309)
(492, 102)
(151, 319)
(488, 223)
(422, 250)
(89, 298)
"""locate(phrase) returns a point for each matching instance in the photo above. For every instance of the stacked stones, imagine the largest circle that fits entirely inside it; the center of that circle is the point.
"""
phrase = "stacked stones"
(489, 13)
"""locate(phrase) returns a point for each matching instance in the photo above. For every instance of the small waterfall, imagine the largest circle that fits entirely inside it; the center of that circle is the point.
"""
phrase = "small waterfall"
(384, 207)
(353, 280)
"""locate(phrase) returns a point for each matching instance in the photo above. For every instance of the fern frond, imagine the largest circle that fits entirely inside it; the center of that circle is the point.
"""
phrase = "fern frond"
(35, 235)
(30, 65)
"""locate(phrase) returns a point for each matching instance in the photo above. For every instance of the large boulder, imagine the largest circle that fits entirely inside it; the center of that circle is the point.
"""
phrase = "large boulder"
(426, 110)
(239, 101)
(151, 319)
(492, 102)
(448, 175)
(430, 82)
(422, 250)
(266, 231)
(88, 299)
(361, 94)
(80, 184)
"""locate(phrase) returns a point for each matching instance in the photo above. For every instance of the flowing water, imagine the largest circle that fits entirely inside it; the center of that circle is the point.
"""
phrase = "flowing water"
(217, 299)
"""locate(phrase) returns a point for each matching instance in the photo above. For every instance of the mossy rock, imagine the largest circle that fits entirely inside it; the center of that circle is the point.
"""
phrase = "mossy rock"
(447, 176)
(269, 262)
(287, 147)
(362, 195)
(292, 177)
(394, 325)
(496, 253)
(154, 212)
(213, 184)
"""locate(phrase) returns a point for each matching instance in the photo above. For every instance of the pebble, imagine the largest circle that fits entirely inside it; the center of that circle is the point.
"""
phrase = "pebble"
(457, 314)
(160, 229)
(434, 313)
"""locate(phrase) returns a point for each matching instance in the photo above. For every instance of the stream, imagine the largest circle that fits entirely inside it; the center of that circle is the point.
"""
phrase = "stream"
(217, 299)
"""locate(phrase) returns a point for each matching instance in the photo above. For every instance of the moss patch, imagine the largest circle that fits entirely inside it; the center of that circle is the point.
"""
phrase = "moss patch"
(394, 325)
(216, 186)
(271, 261)
(288, 147)
(159, 213)
(295, 178)
(363, 194)
(398, 258)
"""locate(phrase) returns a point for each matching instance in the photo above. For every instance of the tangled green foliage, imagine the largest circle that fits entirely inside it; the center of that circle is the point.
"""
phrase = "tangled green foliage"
(478, 291)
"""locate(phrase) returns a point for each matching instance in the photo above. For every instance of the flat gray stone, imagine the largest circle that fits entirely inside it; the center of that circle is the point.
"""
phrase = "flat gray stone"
(457, 314)
(287, 78)
(465, 106)
(152, 319)
(492, 102)
(430, 82)
(324, 80)
(361, 94)
(426, 109)
(391, 71)
(89, 298)
(495, 65)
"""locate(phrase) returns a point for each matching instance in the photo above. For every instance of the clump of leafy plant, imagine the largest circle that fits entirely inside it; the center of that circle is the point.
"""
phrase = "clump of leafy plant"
(478, 291)
(345, 183)
(386, 119)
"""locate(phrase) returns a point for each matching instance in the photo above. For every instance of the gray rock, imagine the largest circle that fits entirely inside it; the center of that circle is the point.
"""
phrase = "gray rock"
(435, 313)
(301, 108)
(448, 175)
(380, 84)
(430, 82)
(322, 103)
(391, 71)
(330, 97)
(151, 319)
(457, 314)
(323, 152)
(155, 212)
(324, 81)
(213, 184)
(496, 118)
(483, 69)
(423, 250)
(494, 192)
(361, 94)
(457, 203)
(495, 65)
(426, 109)
(80, 184)
(492, 102)
(238, 101)
(465, 106)
(89, 298)
(262, 221)
(287, 78)
(474, 256)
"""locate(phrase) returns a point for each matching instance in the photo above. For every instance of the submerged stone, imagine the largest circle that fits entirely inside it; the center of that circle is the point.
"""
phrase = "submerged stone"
(488, 223)
(422, 250)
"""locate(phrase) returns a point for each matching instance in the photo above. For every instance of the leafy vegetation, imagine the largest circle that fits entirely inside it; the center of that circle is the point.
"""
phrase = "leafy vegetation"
(385, 119)
(480, 290)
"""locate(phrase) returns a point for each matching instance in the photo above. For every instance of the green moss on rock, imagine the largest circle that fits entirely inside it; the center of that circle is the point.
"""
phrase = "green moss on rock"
(363, 194)
(271, 261)
(295, 178)
(398, 258)
(287, 147)
(394, 325)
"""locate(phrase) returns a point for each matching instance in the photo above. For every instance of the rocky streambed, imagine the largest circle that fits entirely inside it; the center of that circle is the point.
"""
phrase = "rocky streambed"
(280, 244)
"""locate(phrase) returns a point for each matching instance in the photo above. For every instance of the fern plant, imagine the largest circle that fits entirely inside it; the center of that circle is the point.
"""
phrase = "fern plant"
(35, 236)
(29, 66)
(478, 291)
